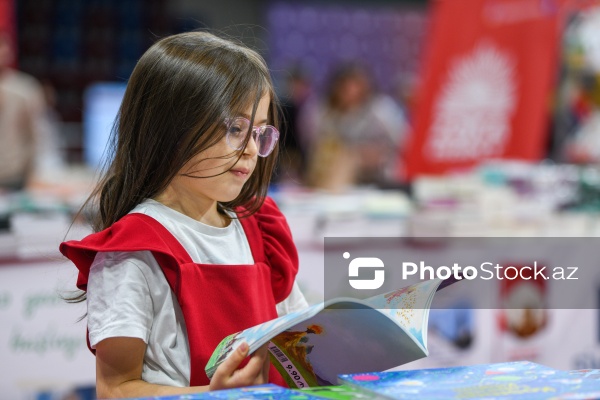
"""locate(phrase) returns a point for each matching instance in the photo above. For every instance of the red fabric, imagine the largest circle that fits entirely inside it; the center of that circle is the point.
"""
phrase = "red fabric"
(216, 300)
(8, 26)
(270, 240)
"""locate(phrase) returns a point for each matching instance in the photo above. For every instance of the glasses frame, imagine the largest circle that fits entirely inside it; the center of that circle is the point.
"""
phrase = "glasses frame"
(255, 131)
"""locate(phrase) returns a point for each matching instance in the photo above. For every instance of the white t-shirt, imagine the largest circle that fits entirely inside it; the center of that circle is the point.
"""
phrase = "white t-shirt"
(128, 294)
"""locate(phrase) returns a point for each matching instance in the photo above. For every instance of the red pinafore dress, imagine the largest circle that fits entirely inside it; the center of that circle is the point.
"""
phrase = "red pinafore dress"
(216, 300)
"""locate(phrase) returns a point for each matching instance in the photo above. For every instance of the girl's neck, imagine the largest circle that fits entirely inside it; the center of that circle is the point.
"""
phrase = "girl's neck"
(202, 210)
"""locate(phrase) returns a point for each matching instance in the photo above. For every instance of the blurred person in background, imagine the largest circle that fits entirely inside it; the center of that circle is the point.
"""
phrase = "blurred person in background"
(292, 161)
(50, 156)
(26, 136)
(354, 133)
(578, 100)
(583, 144)
(404, 92)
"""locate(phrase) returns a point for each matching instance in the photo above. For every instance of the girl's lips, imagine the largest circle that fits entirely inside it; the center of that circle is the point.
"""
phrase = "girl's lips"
(241, 172)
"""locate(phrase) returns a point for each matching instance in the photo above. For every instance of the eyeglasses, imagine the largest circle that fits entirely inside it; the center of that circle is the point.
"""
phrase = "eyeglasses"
(265, 136)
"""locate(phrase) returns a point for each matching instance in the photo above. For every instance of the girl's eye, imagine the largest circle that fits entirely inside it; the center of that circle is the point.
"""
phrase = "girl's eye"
(235, 131)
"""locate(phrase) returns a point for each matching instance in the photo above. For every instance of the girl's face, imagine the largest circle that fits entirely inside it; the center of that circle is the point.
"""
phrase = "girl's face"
(231, 170)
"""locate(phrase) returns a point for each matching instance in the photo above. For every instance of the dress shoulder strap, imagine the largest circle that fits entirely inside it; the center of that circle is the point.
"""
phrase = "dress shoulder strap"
(134, 232)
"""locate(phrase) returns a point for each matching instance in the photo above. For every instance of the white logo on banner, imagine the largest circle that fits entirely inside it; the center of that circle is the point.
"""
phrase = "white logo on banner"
(472, 116)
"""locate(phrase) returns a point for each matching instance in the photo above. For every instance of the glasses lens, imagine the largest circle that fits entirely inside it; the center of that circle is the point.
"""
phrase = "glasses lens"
(236, 132)
(266, 139)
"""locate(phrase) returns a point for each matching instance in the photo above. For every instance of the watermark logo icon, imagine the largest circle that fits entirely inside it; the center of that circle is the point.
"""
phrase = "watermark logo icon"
(365, 262)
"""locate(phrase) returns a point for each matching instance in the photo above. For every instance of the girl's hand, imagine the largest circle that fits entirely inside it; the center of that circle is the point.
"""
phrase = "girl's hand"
(256, 372)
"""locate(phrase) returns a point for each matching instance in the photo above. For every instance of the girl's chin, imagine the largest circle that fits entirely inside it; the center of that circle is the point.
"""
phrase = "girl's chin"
(229, 197)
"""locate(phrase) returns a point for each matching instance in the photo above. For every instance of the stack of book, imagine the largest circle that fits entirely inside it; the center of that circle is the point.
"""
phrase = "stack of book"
(510, 380)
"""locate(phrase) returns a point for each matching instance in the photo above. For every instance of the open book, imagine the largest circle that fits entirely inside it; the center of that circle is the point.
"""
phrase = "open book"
(342, 336)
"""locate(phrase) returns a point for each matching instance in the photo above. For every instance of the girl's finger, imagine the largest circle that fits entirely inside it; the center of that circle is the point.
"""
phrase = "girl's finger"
(231, 363)
(251, 371)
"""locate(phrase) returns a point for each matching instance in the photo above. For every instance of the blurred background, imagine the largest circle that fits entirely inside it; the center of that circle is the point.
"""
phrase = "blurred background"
(476, 118)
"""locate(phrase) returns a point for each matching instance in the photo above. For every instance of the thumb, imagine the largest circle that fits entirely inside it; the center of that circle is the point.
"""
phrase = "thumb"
(232, 362)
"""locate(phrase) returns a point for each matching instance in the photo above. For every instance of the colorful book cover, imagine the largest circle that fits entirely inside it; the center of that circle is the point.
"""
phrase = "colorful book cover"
(586, 373)
(513, 380)
(261, 392)
(339, 392)
(342, 336)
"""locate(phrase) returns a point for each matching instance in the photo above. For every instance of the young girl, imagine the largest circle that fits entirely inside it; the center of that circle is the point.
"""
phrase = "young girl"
(188, 248)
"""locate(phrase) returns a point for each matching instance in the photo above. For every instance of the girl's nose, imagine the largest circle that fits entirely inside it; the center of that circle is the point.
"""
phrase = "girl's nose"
(251, 148)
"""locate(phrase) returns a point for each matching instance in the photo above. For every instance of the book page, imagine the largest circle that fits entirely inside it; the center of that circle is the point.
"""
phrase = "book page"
(341, 339)
(409, 308)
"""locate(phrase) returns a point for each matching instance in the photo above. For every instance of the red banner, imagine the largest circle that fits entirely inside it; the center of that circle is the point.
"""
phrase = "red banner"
(486, 84)
(8, 25)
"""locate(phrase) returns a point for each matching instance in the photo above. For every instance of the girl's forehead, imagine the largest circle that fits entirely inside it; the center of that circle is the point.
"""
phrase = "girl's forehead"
(262, 106)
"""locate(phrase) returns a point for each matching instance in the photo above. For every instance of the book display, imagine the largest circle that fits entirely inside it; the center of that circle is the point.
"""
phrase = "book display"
(511, 380)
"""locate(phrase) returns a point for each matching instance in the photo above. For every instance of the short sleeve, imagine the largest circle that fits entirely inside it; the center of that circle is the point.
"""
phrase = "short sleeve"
(279, 248)
(294, 302)
(118, 297)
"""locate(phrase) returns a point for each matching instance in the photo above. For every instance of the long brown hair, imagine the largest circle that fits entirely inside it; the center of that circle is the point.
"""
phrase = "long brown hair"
(176, 100)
